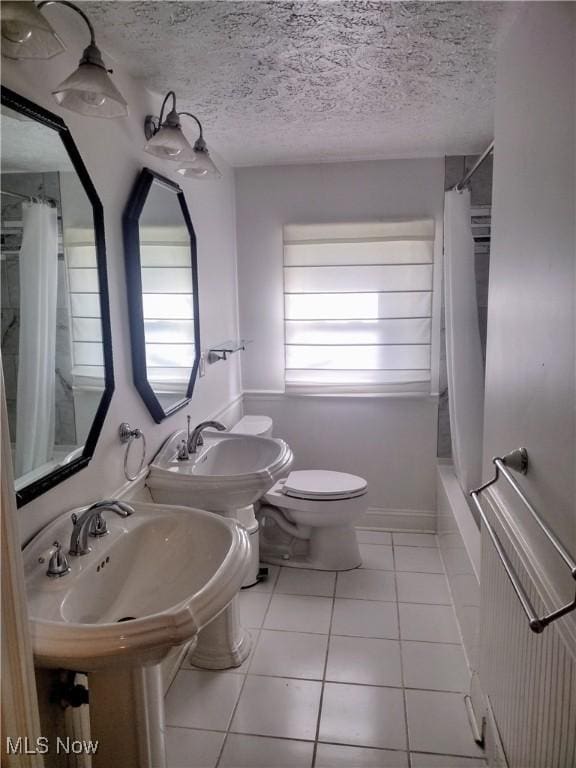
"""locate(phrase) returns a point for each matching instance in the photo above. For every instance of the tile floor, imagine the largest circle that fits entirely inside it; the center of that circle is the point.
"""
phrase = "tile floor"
(360, 669)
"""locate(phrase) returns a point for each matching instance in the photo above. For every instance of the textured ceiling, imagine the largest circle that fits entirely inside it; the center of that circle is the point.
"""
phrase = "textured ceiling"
(280, 82)
(28, 146)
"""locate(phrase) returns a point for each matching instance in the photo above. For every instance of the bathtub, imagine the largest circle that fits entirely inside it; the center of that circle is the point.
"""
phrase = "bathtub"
(459, 538)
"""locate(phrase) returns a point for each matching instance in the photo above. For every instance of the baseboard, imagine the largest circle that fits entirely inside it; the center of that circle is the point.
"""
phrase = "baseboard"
(415, 520)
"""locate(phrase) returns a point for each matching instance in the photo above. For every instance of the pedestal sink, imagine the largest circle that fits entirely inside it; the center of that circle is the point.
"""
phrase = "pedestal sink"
(152, 583)
(229, 471)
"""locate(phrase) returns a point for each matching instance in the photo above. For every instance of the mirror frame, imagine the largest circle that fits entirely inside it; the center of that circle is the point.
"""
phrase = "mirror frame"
(131, 228)
(22, 105)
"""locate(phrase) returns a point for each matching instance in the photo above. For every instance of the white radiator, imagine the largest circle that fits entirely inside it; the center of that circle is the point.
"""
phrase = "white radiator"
(529, 679)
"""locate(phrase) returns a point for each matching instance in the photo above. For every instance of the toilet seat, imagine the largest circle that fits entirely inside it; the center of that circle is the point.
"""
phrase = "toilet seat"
(323, 485)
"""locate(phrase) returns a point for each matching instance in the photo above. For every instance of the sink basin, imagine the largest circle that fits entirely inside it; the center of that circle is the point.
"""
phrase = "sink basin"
(229, 471)
(153, 582)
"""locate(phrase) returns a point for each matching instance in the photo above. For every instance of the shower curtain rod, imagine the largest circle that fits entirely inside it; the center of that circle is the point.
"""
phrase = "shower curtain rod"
(29, 198)
(15, 194)
(460, 186)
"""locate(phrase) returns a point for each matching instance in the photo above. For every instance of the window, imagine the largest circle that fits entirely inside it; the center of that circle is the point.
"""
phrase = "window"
(358, 307)
(168, 306)
(85, 317)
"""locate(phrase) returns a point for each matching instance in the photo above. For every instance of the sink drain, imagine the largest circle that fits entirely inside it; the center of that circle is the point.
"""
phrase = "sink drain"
(126, 618)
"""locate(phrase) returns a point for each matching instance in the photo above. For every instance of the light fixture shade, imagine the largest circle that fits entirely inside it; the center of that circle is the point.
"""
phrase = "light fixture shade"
(201, 167)
(90, 91)
(25, 32)
(169, 143)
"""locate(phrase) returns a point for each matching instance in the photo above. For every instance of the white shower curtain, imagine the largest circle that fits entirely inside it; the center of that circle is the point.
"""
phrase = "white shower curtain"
(35, 414)
(463, 347)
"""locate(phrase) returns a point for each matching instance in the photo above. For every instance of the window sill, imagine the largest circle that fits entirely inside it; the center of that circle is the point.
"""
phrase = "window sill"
(275, 394)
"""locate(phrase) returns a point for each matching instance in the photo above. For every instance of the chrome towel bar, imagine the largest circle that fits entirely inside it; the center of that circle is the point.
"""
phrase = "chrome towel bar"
(518, 461)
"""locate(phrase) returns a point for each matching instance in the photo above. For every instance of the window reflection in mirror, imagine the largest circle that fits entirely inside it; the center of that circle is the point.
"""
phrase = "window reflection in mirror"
(161, 277)
(167, 295)
(52, 341)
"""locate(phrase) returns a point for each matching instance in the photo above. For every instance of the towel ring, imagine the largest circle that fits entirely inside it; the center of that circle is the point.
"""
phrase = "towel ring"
(128, 436)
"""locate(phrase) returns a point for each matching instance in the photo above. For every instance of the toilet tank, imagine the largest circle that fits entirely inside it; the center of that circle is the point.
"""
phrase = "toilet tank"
(261, 426)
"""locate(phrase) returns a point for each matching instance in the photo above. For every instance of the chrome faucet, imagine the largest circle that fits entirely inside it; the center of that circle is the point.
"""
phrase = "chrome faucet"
(91, 522)
(196, 438)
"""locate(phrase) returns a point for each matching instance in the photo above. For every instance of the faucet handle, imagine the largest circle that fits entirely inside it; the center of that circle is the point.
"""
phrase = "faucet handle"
(98, 526)
(183, 454)
(58, 564)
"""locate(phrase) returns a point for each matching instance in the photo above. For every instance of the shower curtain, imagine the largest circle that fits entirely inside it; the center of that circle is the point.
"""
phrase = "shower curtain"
(35, 412)
(463, 347)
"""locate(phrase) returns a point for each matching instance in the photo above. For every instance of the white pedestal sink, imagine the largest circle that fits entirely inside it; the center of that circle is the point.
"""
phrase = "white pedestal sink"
(230, 471)
(152, 583)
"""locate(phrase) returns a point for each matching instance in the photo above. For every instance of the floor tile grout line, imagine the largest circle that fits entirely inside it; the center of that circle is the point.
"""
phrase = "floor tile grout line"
(352, 682)
(221, 752)
(359, 637)
(325, 670)
(371, 599)
(330, 743)
(402, 668)
(252, 650)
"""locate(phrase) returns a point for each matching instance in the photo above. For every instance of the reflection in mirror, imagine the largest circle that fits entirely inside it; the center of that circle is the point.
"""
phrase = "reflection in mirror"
(167, 296)
(53, 356)
(162, 285)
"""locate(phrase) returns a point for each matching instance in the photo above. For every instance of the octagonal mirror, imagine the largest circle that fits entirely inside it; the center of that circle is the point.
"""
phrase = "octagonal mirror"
(162, 278)
(56, 341)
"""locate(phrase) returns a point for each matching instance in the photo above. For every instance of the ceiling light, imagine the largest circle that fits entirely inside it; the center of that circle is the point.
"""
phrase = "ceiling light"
(89, 90)
(26, 34)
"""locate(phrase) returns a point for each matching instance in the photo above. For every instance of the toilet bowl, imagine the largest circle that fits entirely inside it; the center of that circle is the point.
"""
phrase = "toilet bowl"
(316, 511)
(307, 519)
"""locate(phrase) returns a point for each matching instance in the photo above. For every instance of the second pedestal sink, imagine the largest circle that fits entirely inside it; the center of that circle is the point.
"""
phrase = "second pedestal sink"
(152, 583)
(229, 471)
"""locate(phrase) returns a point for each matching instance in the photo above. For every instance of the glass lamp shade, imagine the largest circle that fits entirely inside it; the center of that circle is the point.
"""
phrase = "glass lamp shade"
(201, 167)
(25, 32)
(169, 143)
(90, 91)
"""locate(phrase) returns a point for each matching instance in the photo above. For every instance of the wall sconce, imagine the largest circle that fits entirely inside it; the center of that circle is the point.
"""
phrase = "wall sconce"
(27, 35)
(166, 140)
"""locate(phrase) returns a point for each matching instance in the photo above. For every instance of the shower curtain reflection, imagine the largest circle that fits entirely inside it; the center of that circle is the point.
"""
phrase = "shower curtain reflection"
(38, 260)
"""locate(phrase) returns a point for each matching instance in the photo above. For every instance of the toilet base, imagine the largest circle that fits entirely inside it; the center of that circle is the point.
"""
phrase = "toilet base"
(333, 548)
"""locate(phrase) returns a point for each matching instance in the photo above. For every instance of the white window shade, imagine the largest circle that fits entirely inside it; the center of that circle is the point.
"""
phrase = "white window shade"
(168, 306)
(85, 318)
(358, 307)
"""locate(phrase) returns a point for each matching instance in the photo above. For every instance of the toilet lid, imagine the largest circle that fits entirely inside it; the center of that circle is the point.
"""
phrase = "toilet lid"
(323, 484)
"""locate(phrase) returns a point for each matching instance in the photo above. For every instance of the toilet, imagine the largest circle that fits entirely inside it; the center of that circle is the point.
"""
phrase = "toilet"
(307, 519)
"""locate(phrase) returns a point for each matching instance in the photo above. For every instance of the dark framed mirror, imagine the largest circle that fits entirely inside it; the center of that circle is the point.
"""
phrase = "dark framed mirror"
(56, 338)
(162, 280)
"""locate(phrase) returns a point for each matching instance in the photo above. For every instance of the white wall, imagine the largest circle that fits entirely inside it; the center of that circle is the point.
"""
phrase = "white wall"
(530, 371)
(111, 150)
(391, 442)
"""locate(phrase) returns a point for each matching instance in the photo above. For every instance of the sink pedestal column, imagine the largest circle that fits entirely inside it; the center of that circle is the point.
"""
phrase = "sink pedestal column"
(127, 717)
(223, 643)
